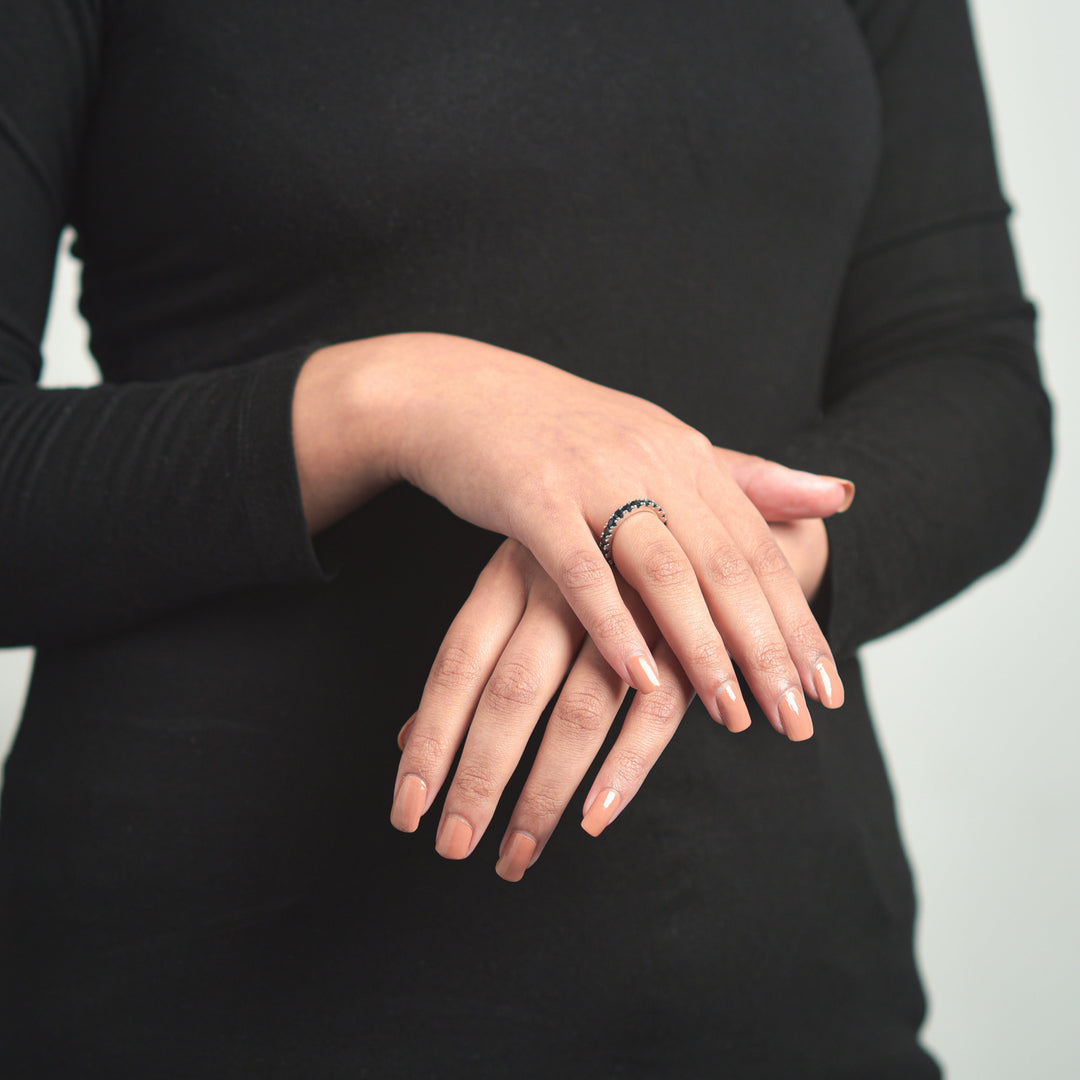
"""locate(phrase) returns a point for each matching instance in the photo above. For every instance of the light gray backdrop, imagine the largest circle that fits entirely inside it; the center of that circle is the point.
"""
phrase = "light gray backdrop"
(978, 703)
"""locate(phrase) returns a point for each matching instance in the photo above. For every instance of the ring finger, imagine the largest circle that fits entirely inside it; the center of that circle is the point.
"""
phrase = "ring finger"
(651, 560)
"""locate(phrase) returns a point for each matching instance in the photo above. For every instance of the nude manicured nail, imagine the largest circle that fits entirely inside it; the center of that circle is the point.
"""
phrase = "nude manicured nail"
(403, 734)
(830, 689)
(408, 804)
(516, 857)
(795, 716)
(732, 708)
(601, 812)
(455, 836)
(849, 493)
(643, 673)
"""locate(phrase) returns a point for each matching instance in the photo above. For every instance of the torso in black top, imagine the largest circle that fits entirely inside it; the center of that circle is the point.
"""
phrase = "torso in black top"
(198, 874)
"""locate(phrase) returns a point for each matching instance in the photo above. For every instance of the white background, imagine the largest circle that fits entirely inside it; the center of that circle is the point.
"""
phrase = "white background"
(977, 704)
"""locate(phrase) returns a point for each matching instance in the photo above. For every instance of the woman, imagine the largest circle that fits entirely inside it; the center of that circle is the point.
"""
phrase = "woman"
(780, 225)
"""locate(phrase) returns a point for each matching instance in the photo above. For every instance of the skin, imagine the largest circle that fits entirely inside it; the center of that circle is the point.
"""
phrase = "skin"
(524, 640)
(543, 457)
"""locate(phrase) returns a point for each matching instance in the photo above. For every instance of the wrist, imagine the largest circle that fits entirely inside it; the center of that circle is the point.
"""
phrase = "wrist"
(345, 428)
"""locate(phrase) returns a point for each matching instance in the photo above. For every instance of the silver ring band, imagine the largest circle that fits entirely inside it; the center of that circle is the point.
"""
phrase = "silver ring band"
(620, 516)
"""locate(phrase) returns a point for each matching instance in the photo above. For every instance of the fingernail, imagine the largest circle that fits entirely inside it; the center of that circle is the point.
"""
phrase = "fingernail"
(643, 673)
(600, 813)
(403, 734)
(849, 493)
(830, 689)
(732, 708)
(516, 857)
(455, 836)
(795, 716)
(408, 804)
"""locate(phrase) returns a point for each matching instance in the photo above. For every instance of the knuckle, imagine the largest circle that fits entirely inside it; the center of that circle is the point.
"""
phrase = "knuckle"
(768, 561)
(580, 714)
(699, 444)
(807, 638)
(665, 566)
(630, 769)
(613, 625)
(710, 655)
(474, 785)
(726, 568)
(771, 657)
(425, 752)
(582, 571)
(511, 558)
(513, 686)
(661, 709)
(540, 804)
(456, 668)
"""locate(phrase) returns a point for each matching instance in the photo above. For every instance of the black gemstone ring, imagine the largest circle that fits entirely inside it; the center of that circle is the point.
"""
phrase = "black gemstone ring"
(620, 516)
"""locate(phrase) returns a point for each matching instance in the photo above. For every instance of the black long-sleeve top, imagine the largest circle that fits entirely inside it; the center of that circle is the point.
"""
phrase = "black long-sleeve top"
(780, 221)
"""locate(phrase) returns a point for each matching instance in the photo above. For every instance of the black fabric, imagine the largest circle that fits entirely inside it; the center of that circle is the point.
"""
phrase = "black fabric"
(780, 221)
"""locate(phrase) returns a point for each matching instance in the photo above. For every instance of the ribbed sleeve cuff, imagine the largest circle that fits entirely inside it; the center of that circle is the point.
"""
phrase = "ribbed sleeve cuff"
(268, 481)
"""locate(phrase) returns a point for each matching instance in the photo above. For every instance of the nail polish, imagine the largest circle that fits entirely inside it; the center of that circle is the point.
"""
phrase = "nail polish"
(455, 836)
(516, 857)
(849, 493)
(830, 689)
(643, 673)
(601, 812)
(795, 716)
(408, 803)
(732, 708)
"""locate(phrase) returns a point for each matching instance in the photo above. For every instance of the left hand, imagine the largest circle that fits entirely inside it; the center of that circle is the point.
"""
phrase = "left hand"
(528, 647)
(805, 545)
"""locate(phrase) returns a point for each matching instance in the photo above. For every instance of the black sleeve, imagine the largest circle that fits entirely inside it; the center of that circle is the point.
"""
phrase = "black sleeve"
(933, 405)
(119, 501)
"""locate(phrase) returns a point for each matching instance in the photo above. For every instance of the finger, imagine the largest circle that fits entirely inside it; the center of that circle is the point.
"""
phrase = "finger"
(783, 494)
(702, 591)
(765, 618)
(566, 548)
(653, 563)
(462, 667)
(526, 678)
(805, 544)
(587, 705)
(648, 728)
(403, 734)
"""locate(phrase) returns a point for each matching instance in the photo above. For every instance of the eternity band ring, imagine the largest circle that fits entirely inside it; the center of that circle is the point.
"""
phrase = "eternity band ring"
(620, 516)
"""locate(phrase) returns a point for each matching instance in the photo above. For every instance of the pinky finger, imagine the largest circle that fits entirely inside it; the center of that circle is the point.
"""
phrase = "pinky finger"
(648, 728)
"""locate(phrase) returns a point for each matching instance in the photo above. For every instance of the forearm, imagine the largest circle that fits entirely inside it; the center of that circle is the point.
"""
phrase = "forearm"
(932, 404)
(120, 502)
(951, 459)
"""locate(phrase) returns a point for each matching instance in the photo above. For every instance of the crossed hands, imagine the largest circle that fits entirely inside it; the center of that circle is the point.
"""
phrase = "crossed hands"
(544, 457)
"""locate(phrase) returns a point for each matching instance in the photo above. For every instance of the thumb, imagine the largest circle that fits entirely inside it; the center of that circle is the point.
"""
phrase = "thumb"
(783, 494)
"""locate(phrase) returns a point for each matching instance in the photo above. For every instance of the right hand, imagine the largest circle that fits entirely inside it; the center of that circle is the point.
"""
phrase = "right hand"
(539, 455)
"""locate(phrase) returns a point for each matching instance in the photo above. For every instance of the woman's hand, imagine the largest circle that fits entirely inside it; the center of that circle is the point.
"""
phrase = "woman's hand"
(501, 662)
(805, 545)
(539, 455)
